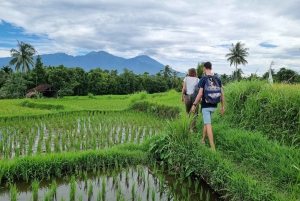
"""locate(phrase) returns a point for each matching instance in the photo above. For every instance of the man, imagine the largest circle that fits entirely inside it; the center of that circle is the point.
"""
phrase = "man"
(208, 109)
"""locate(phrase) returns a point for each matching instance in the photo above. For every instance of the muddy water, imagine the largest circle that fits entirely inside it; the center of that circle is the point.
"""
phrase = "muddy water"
(130, 183)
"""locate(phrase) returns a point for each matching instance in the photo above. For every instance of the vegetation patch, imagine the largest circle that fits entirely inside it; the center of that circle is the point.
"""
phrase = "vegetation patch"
(29, 104)
(272, 109)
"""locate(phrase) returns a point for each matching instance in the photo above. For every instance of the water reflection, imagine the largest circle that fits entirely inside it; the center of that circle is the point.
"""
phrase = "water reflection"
(123, 183)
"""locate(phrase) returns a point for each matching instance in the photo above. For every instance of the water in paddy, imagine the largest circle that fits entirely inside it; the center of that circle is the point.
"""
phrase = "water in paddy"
(125, 183)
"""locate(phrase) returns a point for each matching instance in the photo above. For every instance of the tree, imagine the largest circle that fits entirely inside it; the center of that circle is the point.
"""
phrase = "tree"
(166, 72)
(6, 70)
(287, 75)
(15, 86)
(174, 80)
(38, 73)
(81, 77)
(63, 79)
(225, 79)
(200, 69)
(237, 74)
(237, 55)
(23, 56)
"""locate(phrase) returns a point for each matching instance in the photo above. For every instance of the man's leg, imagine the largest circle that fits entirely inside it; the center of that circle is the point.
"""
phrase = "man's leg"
(204, 134)
(207, 130)
(210, 136)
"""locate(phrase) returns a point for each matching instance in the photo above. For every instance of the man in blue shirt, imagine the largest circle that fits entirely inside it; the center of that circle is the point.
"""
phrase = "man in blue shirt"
(208, 109)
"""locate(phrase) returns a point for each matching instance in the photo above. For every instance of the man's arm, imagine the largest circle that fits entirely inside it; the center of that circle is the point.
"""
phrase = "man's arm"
(197, 100)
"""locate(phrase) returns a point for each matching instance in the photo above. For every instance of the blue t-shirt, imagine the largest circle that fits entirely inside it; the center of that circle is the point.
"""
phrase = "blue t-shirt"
(201, 84)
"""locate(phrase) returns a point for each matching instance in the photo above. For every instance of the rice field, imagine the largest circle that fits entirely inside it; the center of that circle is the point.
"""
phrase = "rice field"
(117, 183)
(75, 132)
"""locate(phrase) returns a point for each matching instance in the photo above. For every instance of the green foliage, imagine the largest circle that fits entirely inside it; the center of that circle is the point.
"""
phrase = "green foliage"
(52, 165)
(138, 96)
(23, 56)
(30, 104)
(15, 86)
(63, 79)
(90, 95)
(200, 72)
(270, 161)
(160, 110)
(287, 76)
(189, 156)
(271, 109)
(37, 75)
(237, 54)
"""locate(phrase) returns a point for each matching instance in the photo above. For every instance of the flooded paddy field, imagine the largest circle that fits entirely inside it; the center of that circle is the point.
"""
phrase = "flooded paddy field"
(121, 183)
(75, 132)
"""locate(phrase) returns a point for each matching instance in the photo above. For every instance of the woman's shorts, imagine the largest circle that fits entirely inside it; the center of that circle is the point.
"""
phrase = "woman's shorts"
(207, 113)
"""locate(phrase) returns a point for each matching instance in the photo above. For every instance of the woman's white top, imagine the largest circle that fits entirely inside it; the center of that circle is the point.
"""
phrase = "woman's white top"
(191, 82)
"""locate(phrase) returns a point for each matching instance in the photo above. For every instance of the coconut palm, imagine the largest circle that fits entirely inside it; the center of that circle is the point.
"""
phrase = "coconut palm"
(23, 56)
(238, 74)
(167, 72)
(237, 55)
(6, 70)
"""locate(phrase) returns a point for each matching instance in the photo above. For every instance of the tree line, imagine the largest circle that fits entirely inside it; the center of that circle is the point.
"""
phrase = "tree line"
(77, 82)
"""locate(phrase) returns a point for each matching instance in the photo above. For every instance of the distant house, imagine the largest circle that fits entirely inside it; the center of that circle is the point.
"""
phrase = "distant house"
(45, 90)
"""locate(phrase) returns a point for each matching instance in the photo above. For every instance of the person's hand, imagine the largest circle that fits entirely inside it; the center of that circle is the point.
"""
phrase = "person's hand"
(193, 109)
(182, 99)
(222, 110)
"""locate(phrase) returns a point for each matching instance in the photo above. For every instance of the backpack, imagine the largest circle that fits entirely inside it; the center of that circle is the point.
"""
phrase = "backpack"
(195, 93)
(212, 90)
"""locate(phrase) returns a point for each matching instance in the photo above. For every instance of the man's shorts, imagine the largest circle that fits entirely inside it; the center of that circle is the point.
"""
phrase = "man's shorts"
(207, 113)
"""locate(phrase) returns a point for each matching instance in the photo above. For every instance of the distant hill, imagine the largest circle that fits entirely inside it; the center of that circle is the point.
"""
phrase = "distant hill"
(102, 59)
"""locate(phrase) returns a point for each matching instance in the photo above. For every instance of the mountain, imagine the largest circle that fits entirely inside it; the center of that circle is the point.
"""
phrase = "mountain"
(102, 59)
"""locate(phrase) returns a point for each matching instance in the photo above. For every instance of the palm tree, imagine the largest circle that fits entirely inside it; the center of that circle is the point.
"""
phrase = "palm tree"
(166, 72)
(238, 74)
(23, 56)
(237, 55)
(6, 70)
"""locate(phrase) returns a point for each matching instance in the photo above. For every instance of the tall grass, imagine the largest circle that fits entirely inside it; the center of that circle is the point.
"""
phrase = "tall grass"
(272, 109)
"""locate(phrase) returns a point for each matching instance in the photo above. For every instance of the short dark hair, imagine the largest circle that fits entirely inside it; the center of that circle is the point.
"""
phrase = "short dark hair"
(207, 65)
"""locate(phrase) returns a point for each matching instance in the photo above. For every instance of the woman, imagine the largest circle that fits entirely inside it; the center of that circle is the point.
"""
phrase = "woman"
(189, 83)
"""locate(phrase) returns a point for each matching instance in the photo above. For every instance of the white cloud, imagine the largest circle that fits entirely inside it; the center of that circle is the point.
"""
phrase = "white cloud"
(178, 33)
(5, 52)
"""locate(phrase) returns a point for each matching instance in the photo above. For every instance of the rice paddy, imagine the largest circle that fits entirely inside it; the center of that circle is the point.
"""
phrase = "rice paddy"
(117, 183)
(76, 132)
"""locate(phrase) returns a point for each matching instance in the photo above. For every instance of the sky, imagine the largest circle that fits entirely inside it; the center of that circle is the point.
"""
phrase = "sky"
(176, 33)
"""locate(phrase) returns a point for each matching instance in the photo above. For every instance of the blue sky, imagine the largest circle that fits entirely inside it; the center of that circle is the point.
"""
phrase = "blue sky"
(176, 33)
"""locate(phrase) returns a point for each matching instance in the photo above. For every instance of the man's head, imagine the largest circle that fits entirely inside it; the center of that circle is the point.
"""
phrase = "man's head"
(207, 65)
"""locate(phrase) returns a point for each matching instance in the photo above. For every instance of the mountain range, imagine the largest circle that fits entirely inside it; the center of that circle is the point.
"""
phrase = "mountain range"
(101, 59)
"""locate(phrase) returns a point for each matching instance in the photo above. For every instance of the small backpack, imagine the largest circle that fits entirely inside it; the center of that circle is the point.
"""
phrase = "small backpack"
(195, 93)
(212, 90)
